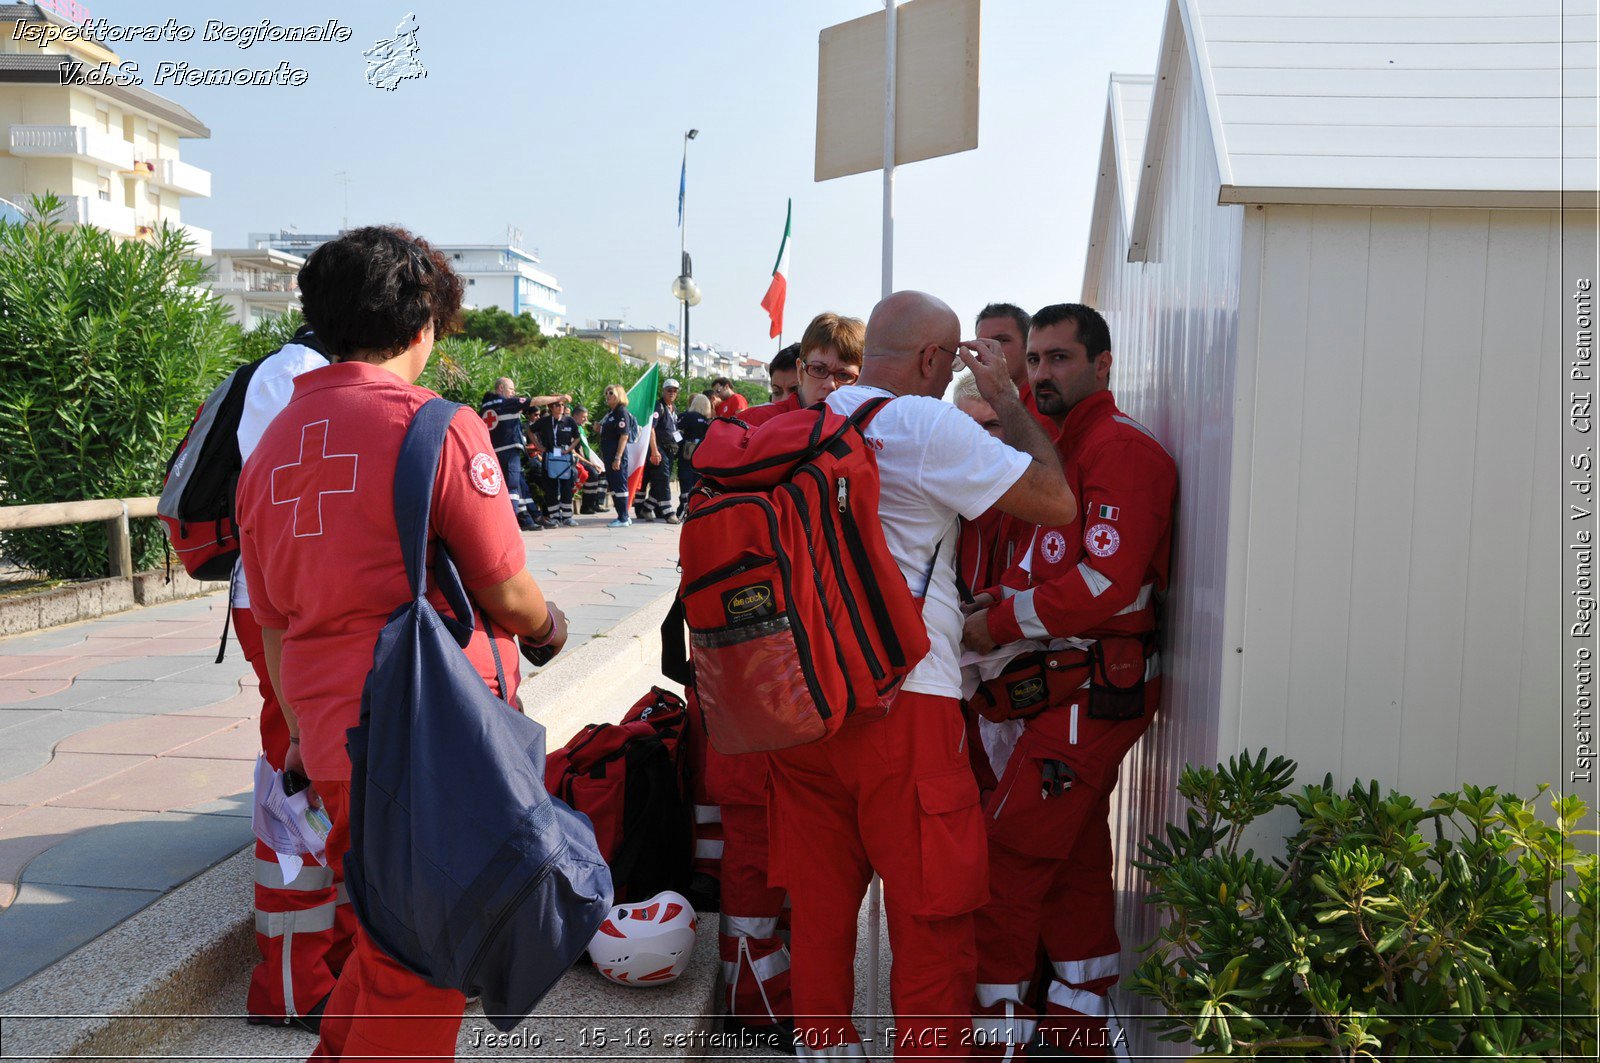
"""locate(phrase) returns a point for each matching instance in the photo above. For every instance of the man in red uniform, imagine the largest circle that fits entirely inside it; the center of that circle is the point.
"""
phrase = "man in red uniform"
(322, 557)
(731, 807)
(729, 402)
(1007, 324)
(894, 793)
(1088, 591)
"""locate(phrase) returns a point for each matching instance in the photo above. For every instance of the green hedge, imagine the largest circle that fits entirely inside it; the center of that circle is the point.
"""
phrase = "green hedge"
(106, 350)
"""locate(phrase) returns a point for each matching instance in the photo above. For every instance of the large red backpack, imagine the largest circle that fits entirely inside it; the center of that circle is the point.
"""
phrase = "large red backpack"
(628, 778)
(798, 615)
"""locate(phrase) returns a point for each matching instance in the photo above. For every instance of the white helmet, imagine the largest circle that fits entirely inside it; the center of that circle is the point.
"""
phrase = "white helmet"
(646, 944)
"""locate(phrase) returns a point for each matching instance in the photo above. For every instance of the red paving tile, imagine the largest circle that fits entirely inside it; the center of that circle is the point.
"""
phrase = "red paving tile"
(65, 773)
(34, 830)
(150, 735)
(237, 741)
(15, 690)
(11, 665)
(162, 784)
(64, 667)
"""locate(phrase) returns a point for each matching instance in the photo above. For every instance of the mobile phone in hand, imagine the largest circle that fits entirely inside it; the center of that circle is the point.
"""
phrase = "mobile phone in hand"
(293, 783)
(538, 656)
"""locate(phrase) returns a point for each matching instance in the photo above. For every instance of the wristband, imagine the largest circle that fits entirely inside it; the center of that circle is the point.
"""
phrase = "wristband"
(544, 637)
(294, 740)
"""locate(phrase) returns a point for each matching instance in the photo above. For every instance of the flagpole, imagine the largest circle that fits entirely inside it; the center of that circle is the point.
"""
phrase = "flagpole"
(890, 33)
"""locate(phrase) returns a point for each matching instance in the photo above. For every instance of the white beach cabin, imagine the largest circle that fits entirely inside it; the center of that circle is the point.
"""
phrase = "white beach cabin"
(1337, 243)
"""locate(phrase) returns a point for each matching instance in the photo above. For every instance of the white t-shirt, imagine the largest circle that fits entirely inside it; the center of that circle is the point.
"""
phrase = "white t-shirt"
(934, 464)
(266, 396)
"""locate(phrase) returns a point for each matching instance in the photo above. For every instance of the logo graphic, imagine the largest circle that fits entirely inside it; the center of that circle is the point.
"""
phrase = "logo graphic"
(491, 418)
(744, 605)
(485, 473)
(1102, 540)
(316, 474)
(1025, 693)
(1108, 512)
(1054, 546)
(395, 60)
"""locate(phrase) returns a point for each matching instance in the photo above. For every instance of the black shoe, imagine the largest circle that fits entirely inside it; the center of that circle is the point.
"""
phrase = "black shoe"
(311, 1021)
(776, 1038)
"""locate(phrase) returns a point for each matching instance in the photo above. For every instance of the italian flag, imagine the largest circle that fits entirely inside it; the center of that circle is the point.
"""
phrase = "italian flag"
(642, 404)
(778, 290)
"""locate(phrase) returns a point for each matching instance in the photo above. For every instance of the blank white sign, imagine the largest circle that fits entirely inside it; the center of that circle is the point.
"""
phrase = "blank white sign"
(936, 87)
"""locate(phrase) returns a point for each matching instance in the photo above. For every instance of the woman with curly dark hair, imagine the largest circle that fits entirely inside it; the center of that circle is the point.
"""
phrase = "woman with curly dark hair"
(323, 562)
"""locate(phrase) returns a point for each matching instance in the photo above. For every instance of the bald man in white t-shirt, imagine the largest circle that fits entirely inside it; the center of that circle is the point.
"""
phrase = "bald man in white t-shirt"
(896, 795)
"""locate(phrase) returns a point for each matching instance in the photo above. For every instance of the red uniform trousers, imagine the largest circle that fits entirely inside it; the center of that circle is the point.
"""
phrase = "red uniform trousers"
(1050, 869)
(730, 811)
(303, 927)
(893, 795)
(380, 1008)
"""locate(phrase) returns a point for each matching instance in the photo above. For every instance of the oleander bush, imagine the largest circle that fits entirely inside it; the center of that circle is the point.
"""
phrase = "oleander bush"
(106, 350)
(1463, 928)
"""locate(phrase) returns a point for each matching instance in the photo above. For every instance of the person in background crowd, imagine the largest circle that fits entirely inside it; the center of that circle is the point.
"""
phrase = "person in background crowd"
(558, 436)
(729, 402)
(1008, 324)
(665, 439)
(594, 487)
(503, 410)
(983, 555)
(1096, 581)
(322, 558)
(894, 794)
(617, 427)
(783, 372)
(303, 926)
(693, 425)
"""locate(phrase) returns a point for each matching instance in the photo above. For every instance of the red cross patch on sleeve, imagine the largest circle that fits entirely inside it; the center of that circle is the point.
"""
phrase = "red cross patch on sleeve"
(1102, 540)
(485, 472)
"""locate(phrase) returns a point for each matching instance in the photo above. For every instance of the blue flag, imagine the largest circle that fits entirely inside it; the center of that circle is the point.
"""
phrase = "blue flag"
(683, 176)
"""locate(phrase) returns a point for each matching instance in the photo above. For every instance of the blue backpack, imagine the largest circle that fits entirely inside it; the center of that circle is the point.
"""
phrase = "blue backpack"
(461, 864)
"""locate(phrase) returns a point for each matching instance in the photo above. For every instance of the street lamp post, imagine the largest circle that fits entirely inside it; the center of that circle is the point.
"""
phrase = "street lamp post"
(684, 288)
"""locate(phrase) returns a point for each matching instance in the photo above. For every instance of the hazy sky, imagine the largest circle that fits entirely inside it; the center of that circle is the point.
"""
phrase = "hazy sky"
(566, 119)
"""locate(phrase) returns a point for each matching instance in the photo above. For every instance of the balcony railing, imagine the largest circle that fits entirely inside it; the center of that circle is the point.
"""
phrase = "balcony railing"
(181, 177)
(72, 141)
(86, 210)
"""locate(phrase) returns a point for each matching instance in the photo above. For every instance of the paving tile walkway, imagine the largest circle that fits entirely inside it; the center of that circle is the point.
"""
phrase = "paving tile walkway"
(126, 753)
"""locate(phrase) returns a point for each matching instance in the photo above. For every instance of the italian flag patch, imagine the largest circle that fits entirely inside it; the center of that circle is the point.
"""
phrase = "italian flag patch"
(1108, 512)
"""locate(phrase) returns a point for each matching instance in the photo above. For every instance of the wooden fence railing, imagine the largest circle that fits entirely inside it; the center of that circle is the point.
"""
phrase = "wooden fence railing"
(114, 513)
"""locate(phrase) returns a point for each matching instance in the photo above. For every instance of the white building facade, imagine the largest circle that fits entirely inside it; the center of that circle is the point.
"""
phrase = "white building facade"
(1336, 275)
(255, 284)
(510, 278)
(109, 152)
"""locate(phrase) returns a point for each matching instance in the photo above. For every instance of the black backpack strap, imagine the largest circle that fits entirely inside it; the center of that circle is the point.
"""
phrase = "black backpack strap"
(868, 410)
(933, 563)
(675, 646)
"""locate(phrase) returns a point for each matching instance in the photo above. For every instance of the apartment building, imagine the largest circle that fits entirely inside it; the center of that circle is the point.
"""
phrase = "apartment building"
(109, 152)
(254, 283)
(501, 275)
(636, 344)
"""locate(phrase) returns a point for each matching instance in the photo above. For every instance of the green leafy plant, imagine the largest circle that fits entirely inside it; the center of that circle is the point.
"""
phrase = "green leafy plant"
(500, 328)
(106, 350)
(1463, 928)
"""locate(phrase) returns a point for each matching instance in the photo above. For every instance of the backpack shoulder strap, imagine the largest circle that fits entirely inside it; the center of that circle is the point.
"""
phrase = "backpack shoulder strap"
(414, 475)
(868, 410)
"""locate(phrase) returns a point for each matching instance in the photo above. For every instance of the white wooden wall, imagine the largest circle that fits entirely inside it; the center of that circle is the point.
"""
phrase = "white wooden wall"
(1173, 331)
(1401, 548)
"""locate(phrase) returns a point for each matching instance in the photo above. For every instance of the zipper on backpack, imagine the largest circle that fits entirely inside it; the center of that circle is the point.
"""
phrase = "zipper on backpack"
(844, 496)
(846, 595)
(795, 492)
(880, 611)
(743, 565)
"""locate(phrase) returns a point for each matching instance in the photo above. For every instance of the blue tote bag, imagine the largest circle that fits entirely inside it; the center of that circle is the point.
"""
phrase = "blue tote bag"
(461, 865)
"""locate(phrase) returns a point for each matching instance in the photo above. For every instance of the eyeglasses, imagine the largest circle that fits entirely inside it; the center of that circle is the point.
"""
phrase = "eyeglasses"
(955, 358)
(843, 377)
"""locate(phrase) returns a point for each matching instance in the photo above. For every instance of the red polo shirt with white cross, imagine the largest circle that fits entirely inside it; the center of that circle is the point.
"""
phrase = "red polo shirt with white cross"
(321, 551)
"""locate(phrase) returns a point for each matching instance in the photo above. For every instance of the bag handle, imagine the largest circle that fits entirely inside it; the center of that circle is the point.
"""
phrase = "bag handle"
(414, 474)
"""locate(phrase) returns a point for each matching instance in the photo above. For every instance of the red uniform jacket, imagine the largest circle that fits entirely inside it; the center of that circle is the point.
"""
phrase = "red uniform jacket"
(1099, 575)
